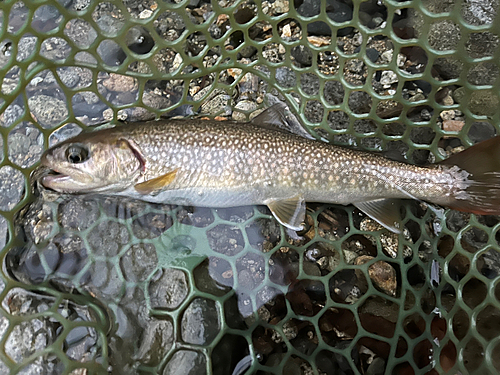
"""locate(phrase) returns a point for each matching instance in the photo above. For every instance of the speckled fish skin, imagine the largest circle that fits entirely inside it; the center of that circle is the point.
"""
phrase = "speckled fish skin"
(224, 164)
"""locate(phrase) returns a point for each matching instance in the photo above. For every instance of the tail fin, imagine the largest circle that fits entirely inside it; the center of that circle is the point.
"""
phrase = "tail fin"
(482, 188)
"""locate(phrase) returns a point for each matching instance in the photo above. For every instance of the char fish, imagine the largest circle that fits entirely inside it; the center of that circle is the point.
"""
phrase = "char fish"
(268, 161)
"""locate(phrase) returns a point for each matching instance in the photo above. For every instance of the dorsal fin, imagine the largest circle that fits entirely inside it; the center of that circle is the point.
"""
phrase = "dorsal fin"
(279, 117)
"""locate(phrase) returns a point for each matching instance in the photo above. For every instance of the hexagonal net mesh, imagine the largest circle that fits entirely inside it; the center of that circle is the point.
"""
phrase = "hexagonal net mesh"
(105, 285)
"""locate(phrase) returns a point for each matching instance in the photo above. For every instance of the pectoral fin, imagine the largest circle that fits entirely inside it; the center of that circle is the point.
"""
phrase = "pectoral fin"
(384, 211)
(155, 185)
(289, 212)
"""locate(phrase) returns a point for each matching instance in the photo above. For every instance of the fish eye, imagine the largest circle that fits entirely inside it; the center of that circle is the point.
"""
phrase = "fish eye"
(77, 154)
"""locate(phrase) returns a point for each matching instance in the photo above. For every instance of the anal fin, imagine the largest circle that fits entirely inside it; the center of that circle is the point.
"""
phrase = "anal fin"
(384, 211)
(155, 185)
(289, 212)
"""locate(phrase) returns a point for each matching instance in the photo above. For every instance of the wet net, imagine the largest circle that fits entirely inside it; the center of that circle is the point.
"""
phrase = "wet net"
(96, 285)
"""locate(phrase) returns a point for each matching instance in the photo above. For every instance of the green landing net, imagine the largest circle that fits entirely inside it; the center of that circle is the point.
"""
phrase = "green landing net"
(100, 285)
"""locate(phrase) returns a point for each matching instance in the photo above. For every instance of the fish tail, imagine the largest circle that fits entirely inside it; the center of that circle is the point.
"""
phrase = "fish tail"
(480, 190)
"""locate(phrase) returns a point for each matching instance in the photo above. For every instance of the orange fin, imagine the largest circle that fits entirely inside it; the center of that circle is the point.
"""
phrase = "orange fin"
(155, 185)
(481, 191)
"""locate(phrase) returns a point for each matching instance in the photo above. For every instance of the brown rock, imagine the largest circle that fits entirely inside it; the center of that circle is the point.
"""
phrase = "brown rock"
(381, 273)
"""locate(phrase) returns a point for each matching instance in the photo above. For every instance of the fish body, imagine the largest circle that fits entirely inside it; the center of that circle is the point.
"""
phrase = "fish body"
(225, 164)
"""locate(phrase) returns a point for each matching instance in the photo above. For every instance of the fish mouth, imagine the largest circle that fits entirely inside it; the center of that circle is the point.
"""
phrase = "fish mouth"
(73, 181)
(60, 182)
(54, 177)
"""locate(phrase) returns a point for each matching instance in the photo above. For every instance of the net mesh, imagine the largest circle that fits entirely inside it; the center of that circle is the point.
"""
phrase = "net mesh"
(100, 285)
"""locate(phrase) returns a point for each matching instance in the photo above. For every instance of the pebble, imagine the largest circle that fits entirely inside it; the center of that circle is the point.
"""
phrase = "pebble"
(245, 106)
(447, 115)
(11, 114)
(146, 13)
(25, 145)
(484, 102)
(302, 55)
(65, 132)
(47, 110)
(200, 322)
(168, 289)
(186, 362)
(381, 273)
(388, 78)
(120, 83)
(12, 191)
(453, 125)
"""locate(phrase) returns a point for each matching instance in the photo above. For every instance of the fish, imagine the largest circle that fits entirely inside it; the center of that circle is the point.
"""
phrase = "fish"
(270, 161)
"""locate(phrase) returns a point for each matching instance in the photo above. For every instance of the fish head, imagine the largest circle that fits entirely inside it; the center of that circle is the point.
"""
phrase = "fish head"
(88, 163)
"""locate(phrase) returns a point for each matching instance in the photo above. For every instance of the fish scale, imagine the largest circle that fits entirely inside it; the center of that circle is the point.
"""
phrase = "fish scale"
(223, 155)
(224, 164)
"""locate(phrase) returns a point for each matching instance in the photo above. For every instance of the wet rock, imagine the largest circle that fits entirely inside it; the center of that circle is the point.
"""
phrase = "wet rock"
(156, 342)
(200, 322)
(25, 145)
(139, 40)
(12, 187)
(186, 362)
(285, 77)
(108, 18)
(251, 271)
(55, 49)
(70, 76)
(26, 47)
(4, 232)
(444, 35)
(388, 78)
(120, 83)
(481, 131)
(482, 44)
(246, 106)
(168, 289)
(37, 331)
(336, 11)
(47, 110)
(453, 125)
(483, 74)
(106, 282)
(78, 213)
(372, 54)
(226, 239)
(302, 55)
(139, 262)
(448, 67)
(46, 18)
(65, 132)
(360, 102)
(483, 103)
(479, 12)
(151, 225)
(381, 273)
(334, 92)
(111, 53)
(217, 103)
(80, 32)
(11, 114)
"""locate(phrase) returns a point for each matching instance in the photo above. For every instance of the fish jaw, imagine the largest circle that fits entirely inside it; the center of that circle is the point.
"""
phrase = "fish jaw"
(66, 179)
